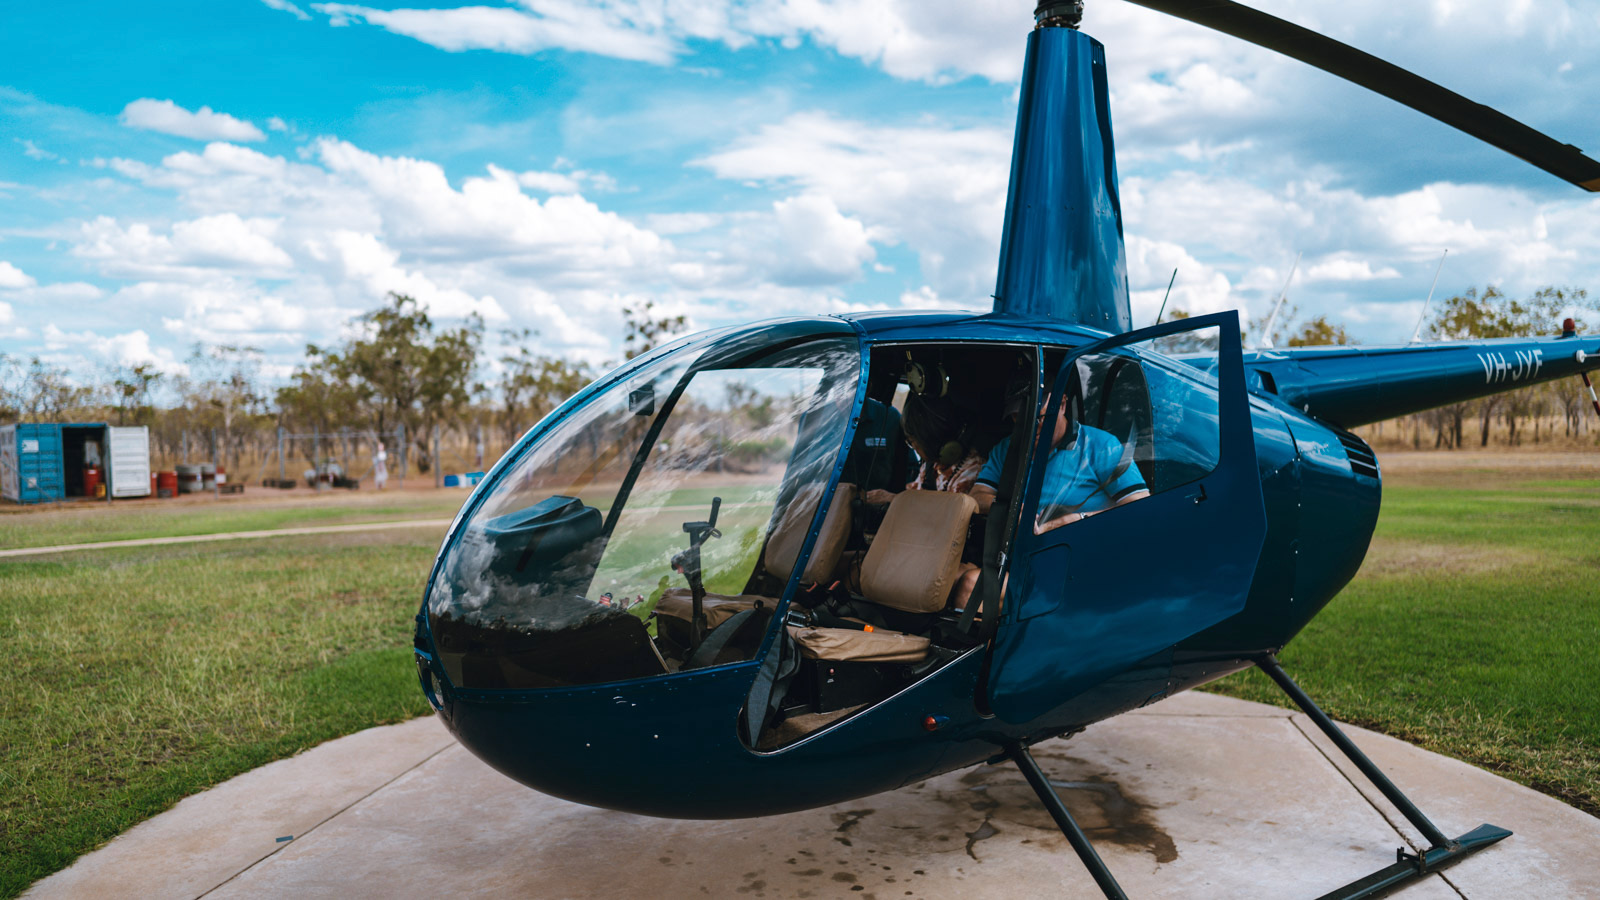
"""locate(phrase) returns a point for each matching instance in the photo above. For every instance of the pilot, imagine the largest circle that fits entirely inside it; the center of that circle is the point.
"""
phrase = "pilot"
(877, 464)
(1089, 471)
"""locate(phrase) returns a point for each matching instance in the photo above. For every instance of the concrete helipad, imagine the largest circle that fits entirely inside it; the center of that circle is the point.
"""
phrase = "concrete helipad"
(1200, 796)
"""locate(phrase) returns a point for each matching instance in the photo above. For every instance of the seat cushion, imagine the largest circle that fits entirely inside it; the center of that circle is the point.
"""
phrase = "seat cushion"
(916, 557)
(789, 534)
(849, 645)
(719, 608)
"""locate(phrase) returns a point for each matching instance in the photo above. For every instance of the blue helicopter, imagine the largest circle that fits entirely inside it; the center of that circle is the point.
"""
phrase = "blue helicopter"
(701, 589)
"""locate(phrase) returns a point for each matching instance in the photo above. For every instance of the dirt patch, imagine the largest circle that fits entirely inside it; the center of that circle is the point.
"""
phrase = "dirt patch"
(1402, 557)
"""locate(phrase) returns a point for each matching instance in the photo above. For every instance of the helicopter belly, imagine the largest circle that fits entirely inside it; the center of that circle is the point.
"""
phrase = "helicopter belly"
(670, 747)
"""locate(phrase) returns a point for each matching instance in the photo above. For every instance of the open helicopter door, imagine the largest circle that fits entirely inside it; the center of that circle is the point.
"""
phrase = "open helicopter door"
(1142, 518)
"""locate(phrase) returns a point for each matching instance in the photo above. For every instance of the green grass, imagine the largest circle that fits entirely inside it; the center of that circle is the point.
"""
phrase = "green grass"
(1473, 630)
(82, 523)
(135, 679)
(139, 676)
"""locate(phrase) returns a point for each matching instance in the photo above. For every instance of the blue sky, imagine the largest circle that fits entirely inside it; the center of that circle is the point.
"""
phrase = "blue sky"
(258, 172)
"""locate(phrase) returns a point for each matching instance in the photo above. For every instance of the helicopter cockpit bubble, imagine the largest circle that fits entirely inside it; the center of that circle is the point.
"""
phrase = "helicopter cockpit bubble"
(558, 577)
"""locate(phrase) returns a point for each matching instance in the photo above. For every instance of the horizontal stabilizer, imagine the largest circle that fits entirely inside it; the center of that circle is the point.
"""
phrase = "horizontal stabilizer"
(1353, 385)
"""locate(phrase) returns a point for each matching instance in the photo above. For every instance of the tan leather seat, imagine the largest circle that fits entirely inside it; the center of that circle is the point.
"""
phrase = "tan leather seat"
(783, 551)
(916, 557)
(847, 644)
(912, 566)
(719, 608)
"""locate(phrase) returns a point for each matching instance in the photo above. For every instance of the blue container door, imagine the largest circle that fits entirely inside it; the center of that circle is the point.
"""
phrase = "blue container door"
(1142, 520)
(39, 463)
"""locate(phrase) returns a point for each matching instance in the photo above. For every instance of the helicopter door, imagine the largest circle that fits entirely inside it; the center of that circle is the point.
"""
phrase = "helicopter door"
(1142, 518)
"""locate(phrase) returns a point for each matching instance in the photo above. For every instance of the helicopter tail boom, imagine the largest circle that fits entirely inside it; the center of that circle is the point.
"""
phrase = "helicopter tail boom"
(1353, 385)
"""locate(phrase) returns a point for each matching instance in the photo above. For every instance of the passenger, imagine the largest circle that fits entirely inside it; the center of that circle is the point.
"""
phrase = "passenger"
(948, 463)
(1018, 395)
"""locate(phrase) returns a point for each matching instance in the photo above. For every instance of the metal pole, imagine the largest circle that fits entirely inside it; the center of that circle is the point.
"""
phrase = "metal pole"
(1058, 811)
(1435, 837)
(1592, 398)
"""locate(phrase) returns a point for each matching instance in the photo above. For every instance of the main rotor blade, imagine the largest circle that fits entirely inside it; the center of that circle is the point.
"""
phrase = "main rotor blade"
(1561, 160)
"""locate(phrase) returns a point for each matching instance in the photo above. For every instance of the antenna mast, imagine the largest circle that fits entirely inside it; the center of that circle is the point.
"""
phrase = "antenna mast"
(1417, 335)
(1266, 332)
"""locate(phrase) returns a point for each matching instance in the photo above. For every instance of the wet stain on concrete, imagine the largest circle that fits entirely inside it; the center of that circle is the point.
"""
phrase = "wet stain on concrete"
(1103, 808)
(848, 820)
(983, 833)
(1129, 825)
(844, 877)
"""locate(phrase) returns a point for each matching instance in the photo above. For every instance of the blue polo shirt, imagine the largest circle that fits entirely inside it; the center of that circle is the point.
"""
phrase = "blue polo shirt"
(1081, 477)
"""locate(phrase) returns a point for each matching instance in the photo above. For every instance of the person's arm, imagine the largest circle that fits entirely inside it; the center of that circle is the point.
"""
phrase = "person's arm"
(985, 495)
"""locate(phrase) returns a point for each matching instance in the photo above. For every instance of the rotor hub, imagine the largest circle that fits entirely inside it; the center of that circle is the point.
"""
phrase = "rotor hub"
(1058, 14)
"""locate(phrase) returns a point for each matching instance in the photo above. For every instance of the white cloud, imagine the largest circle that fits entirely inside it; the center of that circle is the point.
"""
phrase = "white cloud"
(554, 23)
(12, 277)
(127, 348)
(168, 117)
(193, 248)
(941, 191)
(286, 6)
(1345, 268)
(276, 124)
(925, 297)
(816, 244)
(34, 151)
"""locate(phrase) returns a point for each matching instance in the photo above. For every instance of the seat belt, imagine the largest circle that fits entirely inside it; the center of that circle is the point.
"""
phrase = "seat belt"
(997, 534)
(719, 637)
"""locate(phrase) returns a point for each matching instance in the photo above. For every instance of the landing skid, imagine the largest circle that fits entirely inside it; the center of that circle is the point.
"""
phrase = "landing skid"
(1406, 868)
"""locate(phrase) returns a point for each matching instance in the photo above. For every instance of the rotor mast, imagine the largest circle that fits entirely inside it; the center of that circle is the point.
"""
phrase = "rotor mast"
(1061, 250)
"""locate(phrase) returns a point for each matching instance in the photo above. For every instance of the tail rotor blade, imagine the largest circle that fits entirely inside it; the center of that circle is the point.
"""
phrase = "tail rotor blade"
(1561, 160)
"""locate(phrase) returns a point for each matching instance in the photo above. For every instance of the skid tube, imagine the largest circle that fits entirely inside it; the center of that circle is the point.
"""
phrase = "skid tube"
(1442, 851)
(1407, 867)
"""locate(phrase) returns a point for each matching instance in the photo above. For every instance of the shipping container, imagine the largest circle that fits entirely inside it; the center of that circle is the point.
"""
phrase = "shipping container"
(30, 463)
(41, 463)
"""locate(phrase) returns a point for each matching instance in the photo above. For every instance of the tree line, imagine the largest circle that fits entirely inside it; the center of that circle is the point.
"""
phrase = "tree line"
(401, 372)
(398, 372)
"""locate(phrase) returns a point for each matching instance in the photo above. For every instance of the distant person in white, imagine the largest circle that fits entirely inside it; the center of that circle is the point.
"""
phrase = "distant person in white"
(380, 466)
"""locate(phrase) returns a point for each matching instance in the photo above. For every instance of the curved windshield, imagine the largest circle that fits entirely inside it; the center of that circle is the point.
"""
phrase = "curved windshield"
(653, 529)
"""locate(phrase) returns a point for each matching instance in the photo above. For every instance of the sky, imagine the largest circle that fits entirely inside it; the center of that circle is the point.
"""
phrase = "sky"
(260, 172)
